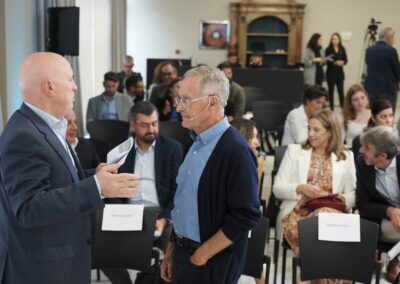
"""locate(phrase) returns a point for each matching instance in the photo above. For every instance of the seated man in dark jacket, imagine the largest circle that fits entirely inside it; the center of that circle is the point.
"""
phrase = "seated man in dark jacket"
(378, 189)
(156, 160)
(83, 148)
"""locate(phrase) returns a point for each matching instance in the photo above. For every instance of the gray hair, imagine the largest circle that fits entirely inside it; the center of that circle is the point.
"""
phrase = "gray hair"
(384, 138)
(128, 59)
(384, 33)
(213, 82)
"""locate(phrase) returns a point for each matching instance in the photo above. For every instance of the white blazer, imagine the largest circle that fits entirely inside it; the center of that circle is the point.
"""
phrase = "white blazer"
(294, 171)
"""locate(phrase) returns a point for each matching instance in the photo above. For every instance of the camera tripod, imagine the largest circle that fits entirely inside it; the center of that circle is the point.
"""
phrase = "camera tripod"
(369, 39)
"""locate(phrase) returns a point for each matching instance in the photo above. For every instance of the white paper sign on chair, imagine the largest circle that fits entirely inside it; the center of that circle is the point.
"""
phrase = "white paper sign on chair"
(339, 227)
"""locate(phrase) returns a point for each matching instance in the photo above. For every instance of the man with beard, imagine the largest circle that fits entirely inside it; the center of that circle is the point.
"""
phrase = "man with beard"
(237, 98)
(110, 105)
(156, 160)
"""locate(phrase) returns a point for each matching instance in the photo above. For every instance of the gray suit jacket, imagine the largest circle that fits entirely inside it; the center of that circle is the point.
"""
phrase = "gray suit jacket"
(309, 66)
(124, 105)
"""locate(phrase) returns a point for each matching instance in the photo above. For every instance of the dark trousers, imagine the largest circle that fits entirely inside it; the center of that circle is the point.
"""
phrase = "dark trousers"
(392, 98)
(331, 89)
(184, 272)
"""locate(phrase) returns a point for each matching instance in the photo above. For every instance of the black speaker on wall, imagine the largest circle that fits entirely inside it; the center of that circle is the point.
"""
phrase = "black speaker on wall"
(63, 36)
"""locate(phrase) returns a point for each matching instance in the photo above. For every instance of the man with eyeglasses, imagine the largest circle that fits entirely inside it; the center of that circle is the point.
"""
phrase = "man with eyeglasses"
(216, 201)
(126, 72)
(155, 159)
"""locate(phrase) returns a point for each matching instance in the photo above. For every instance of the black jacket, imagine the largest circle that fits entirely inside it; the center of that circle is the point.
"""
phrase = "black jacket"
(335, 73)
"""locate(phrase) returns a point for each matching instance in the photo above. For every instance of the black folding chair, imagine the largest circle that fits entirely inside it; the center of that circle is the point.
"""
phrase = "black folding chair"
(269, 104)
(107, 132)
(126, 249)
(353, 261)
(253, 94)
(269, 121)
(256, 257)
(174, 130)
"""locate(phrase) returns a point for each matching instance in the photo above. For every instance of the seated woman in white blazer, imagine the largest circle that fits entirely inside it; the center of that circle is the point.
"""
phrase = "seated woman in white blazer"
(320, 166)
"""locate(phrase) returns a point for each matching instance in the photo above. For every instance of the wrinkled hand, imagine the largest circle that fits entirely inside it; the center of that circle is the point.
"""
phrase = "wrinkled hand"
(166, 264)
(117, 185)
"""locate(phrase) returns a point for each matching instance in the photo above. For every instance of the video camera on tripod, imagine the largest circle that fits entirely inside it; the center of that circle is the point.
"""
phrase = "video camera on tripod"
(373, 29)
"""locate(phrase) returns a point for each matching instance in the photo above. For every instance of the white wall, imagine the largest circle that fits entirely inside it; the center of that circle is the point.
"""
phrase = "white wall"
(326, 17)
(155, 28)
(94, 47)
(20, 40)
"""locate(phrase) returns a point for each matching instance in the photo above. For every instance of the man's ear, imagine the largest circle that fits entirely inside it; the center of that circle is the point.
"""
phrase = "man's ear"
(48, 87)
(132, 124)
(214, 101)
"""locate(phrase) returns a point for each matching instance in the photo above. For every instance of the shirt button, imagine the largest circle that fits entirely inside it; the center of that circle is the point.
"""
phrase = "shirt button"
(194, 153)
(177, 211)
(189, 172)
(183, 192)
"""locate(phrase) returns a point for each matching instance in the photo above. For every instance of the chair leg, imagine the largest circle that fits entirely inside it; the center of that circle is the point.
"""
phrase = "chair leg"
(267, 260)
(378, 268)
(276, 259)
(283, 264)
(98, 275)
(294, 267)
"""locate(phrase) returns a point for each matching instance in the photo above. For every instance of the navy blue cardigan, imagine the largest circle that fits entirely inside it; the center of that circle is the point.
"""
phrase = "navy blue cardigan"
(228, 200)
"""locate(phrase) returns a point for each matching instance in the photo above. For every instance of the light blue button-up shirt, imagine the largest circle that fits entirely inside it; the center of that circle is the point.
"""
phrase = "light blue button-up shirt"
(387, 185)
(109, 108)
(185, 215)
(145, 168)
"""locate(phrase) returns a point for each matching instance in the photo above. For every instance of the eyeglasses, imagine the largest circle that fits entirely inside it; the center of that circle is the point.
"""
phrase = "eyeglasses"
(187, 102)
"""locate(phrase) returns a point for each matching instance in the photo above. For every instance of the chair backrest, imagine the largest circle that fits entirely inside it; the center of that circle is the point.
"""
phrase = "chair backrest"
(268, 104)
(129, 249)
(174, 130)
(253, 94)
(269, 119)
(279, 153)
(113, 132)
(256, 249)
(343, 260)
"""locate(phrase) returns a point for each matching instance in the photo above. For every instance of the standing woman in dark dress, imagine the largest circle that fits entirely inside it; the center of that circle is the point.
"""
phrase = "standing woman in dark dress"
(336, 57)
(313, 61)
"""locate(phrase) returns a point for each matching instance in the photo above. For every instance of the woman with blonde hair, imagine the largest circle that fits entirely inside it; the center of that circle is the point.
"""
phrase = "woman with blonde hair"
(356, 113)
(321, 166)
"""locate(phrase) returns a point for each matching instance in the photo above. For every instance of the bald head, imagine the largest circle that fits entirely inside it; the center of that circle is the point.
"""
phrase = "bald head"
(46, 81)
